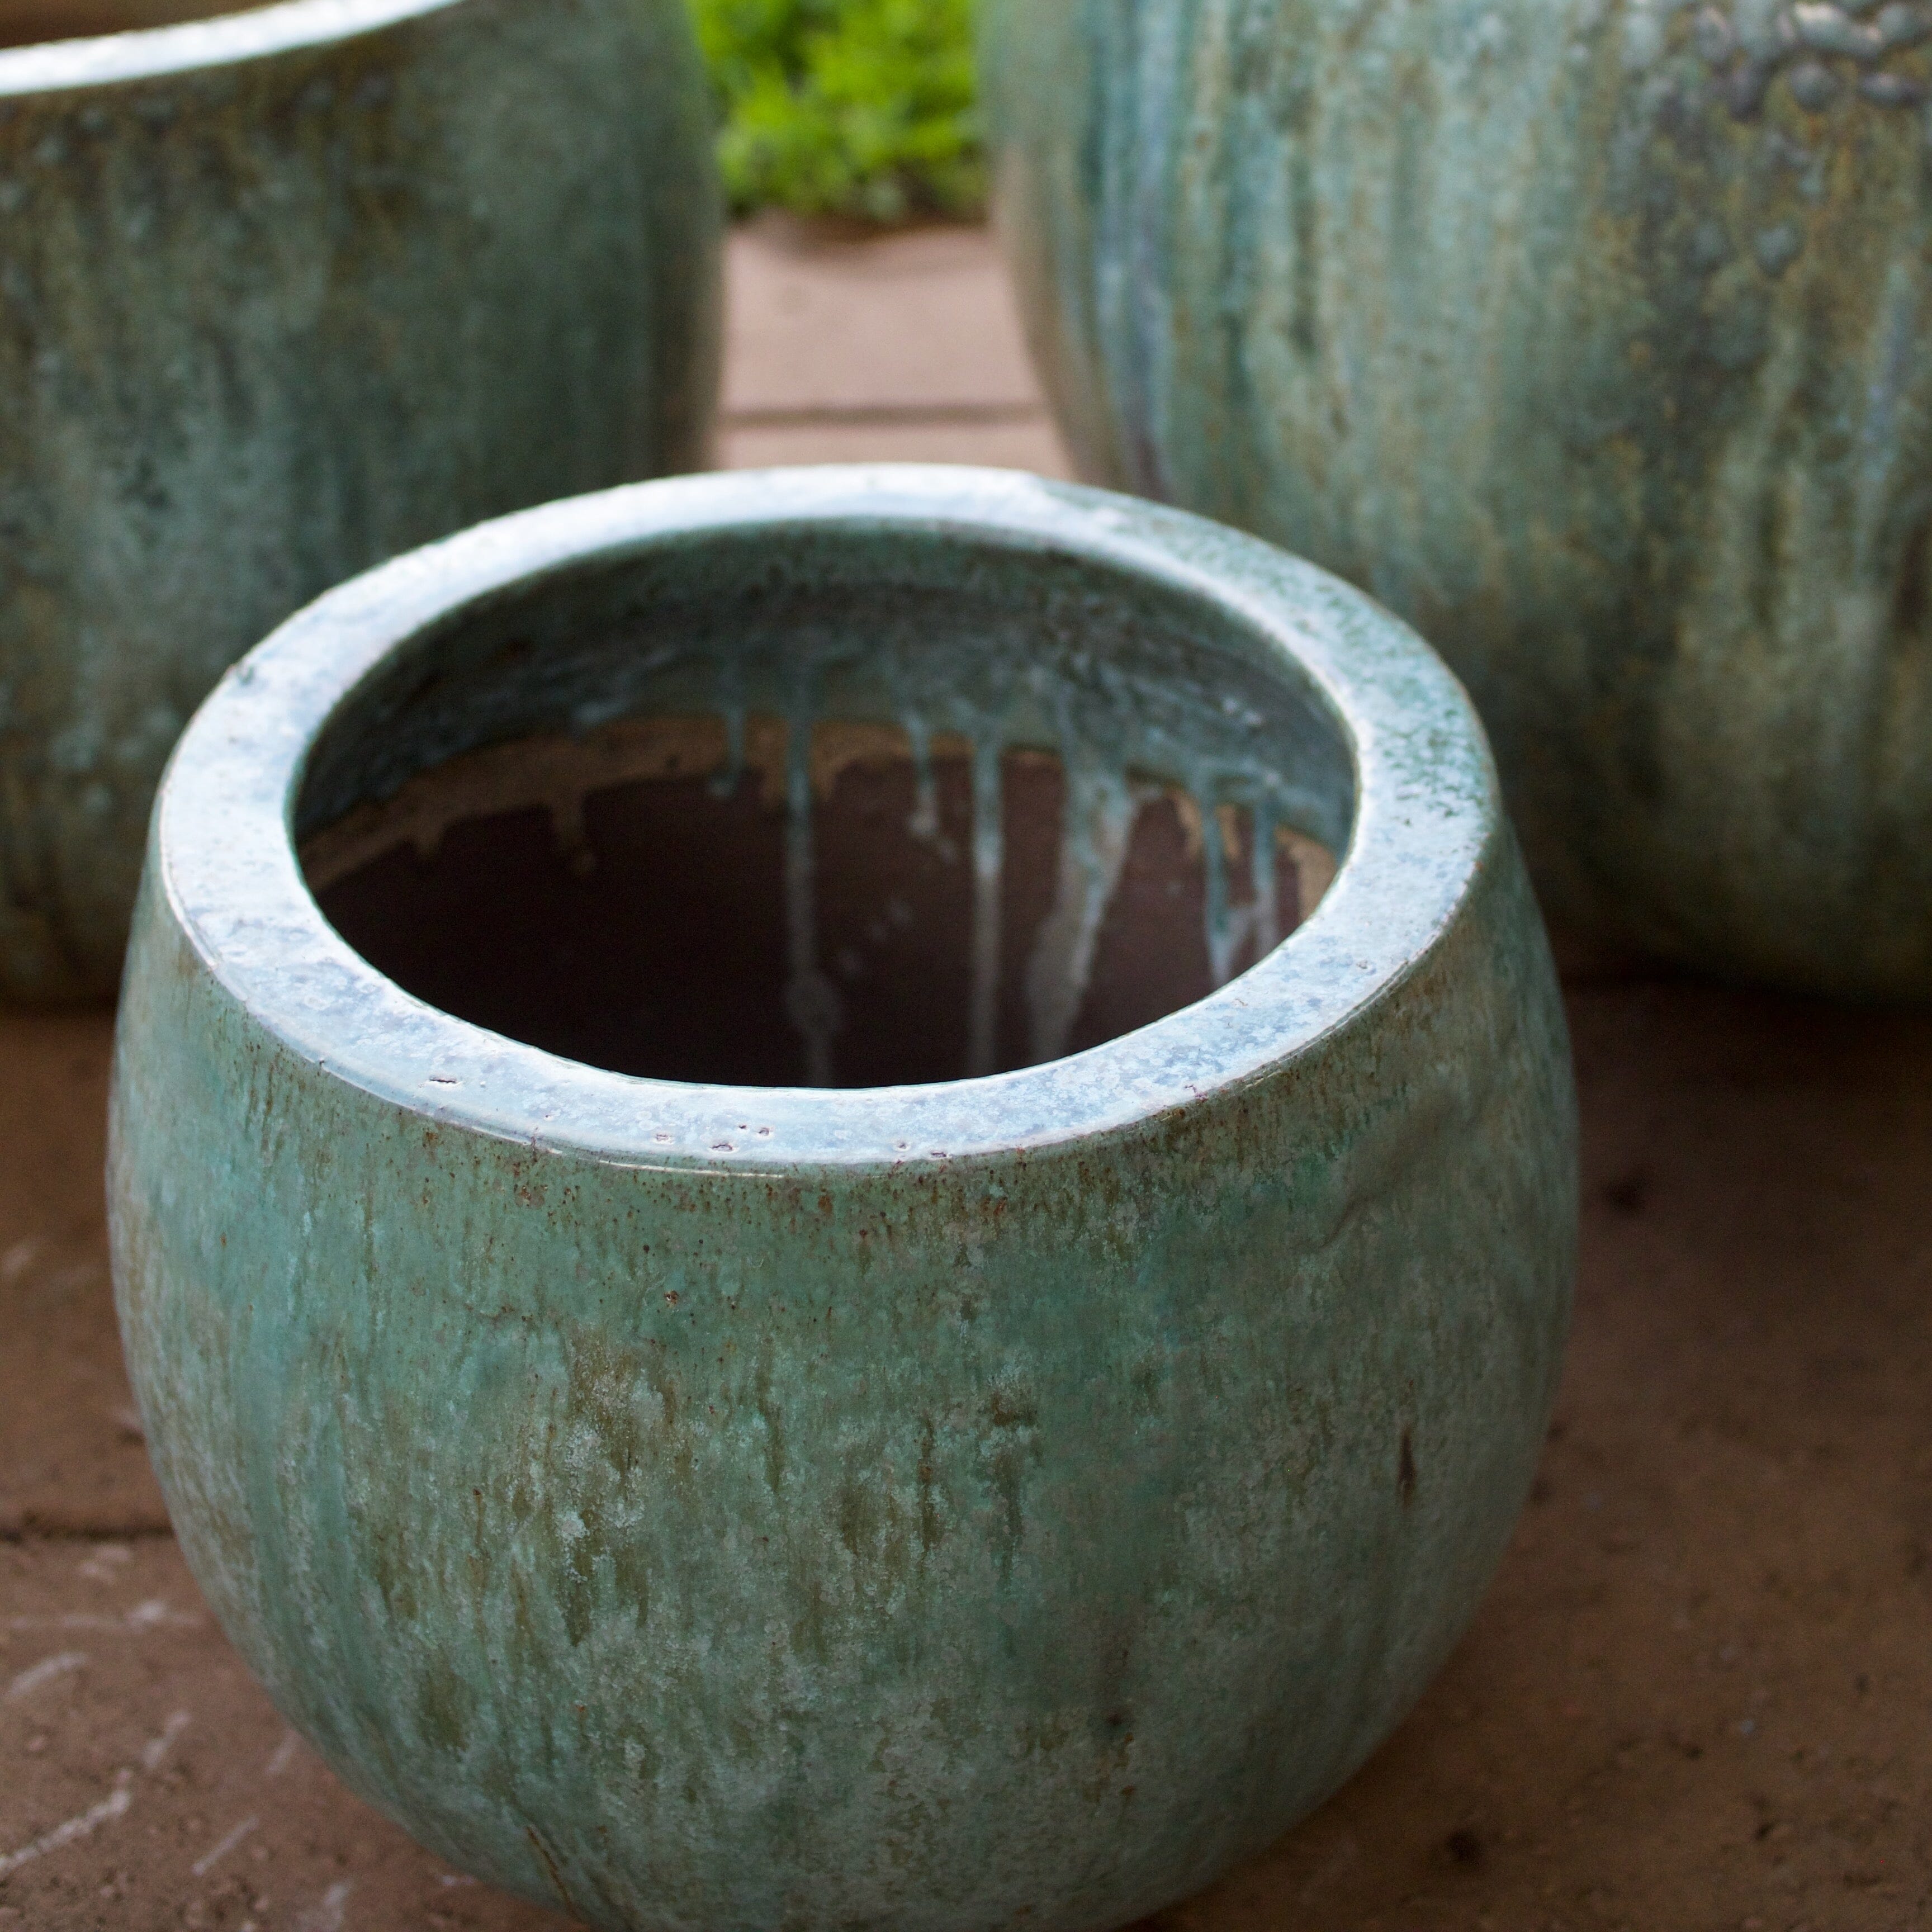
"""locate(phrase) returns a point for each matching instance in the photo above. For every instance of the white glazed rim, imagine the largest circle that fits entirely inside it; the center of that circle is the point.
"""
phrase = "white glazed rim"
(222, 847)
(222, 40)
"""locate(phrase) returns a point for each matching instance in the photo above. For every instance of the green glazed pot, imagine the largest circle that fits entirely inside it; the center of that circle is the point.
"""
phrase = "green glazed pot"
(1588, 334)
(929, 1503)
(283, 293)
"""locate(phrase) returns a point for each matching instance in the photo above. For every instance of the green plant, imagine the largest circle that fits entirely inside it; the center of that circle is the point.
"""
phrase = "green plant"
(853, 107)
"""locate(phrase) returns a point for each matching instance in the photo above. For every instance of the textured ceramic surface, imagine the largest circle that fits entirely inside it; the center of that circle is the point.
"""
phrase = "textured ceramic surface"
(1588, 335)
(939, 1505)
(282, 294)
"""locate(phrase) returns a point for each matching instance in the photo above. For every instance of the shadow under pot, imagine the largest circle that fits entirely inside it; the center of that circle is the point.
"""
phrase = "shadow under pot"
(890, 1305)
(286, 292)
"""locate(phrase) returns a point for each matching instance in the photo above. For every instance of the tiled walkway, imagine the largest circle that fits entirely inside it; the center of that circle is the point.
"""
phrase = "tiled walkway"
(1699, 1696)
(902, 350)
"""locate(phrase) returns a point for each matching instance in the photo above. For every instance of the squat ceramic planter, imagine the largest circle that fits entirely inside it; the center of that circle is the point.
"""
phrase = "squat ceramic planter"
(1589, 334)
(839, 1484)
(283, 293)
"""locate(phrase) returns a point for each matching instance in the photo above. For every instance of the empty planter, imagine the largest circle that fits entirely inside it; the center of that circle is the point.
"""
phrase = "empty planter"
(282, 293)
(761, 1295)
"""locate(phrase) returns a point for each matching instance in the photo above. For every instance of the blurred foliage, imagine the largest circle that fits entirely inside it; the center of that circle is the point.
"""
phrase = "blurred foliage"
(862, 108)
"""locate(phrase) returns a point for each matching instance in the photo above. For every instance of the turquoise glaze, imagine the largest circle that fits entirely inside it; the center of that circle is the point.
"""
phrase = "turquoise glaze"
(1588, 335)
(1009, 1499)
(283, 293)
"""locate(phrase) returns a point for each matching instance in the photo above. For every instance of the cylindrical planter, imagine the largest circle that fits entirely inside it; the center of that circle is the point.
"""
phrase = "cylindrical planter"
(1589, 337)
(281, 294)
(669, 1424)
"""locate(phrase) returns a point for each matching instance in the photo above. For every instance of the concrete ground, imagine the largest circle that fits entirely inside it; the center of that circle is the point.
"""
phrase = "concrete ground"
(1698, 1697)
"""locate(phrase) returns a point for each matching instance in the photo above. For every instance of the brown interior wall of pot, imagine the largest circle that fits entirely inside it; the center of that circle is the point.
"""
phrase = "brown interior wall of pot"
(23, 22)
(608, 900)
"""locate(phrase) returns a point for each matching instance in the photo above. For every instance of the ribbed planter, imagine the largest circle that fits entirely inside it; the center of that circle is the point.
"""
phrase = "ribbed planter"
(1588, 337)
(855, 1495)
(283, 293)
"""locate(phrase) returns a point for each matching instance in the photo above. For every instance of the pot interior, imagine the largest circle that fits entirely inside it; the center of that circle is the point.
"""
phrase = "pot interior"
(23, 22)
(803, 810)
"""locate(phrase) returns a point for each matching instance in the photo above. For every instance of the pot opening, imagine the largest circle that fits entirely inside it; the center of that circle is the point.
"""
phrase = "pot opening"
(25, 23)
(852, 811)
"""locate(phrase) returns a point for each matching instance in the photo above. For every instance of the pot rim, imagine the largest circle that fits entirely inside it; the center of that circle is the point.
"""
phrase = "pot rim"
(222, 847)
(185, 47)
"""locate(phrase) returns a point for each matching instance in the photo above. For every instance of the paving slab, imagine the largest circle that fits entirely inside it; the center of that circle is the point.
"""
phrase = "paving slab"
(146, 1782)
(71, 1458)
(900, 348)
(997, 445)
(918, 321)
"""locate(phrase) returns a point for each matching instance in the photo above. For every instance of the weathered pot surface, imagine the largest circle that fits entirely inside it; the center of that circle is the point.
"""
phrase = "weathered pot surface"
(282, 293)
(1587, 335)
(814, 1488)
